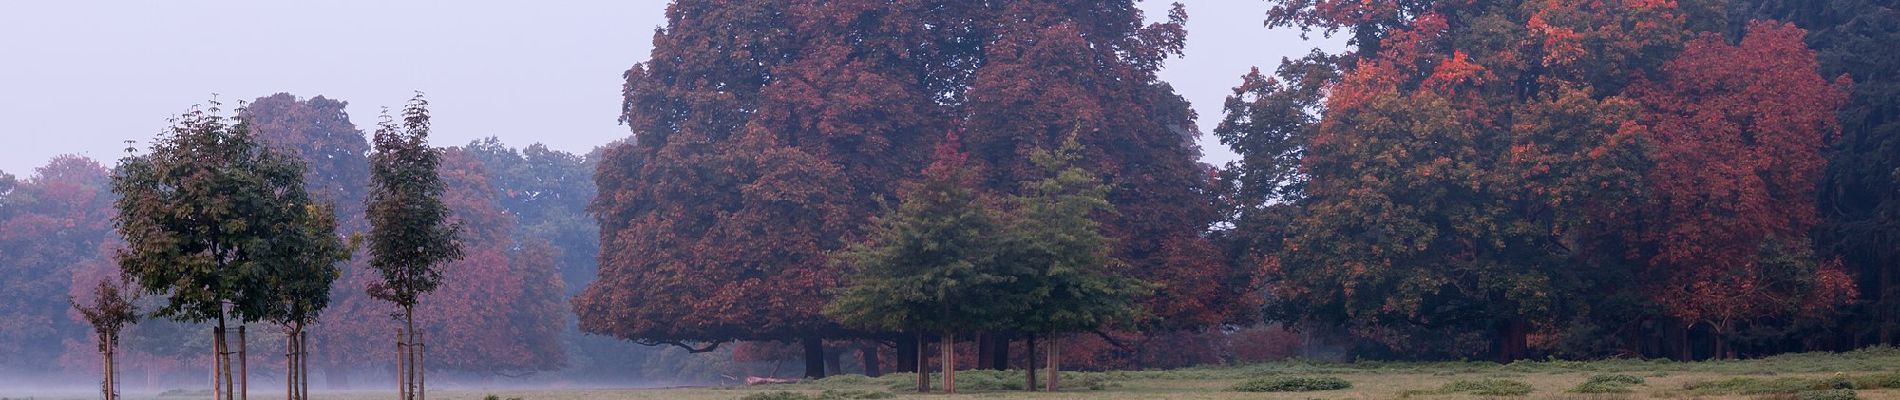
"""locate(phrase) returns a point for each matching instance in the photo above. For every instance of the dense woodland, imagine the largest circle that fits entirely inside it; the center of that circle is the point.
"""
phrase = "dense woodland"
(846, 182)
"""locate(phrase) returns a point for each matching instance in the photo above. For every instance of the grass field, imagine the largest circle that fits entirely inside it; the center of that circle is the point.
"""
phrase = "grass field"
(1865, 374)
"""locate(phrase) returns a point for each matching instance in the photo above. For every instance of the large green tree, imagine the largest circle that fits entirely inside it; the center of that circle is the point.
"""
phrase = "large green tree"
(1075, 283)
(411, 234)
(212, 220)
(937, 264)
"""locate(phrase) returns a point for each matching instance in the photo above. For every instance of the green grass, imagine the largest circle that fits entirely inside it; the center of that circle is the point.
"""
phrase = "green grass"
(1293, 384)
(1872, 374)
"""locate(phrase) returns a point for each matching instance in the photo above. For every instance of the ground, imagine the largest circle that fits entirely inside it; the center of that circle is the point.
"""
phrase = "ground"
(1867, 374)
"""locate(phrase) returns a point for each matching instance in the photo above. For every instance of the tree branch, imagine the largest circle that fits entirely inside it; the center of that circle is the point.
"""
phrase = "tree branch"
(689, 348)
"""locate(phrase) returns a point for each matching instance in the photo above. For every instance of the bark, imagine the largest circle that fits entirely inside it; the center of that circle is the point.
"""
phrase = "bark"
(303, 364)
(814, 357)
(868, 355)
(402, 381)
(1029, 363)
(985, 349)
(949, 363)
(244, 367)
(422, 365)
(999, 357)
(907, 353)
(1055, 364)
(409, 374)
(290, 364)
(1511, 340)
(922, 364)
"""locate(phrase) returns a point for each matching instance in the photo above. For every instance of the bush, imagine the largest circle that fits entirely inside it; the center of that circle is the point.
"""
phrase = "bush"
(1607, 383)
(1293, 384)
(1789, 385)
(1620, 379)
(1488, 387)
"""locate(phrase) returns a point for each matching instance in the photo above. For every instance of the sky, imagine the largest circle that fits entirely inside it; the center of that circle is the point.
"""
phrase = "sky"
(84, 77)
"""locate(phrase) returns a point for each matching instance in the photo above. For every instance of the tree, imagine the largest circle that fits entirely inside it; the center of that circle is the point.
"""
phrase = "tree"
(1859, 200)
(111, 308)
(410, 234)
(302, 286)
(203, 215)
(501, 280)
(933, 265)
(319, 131)
(1739, 131)
(1455, 182)
(1076, 283)
(54, 219)
(746, 168)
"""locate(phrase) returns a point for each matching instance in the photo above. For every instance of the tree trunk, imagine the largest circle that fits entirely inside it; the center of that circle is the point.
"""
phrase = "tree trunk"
(1029, 355)
(409, 374)
(999, 358)
(1055, 364)
(985, 348)
(290, 363)
(867, 354)
(1511, 340)
(922, 366)
(949, 363)
(402, 351)
(907, 352)
(303, 364)
(422, 365)
(814, 357)
(244, 367)
(105, 355)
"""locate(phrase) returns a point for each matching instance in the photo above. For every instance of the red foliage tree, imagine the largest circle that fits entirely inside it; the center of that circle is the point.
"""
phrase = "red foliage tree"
(52, 221)
(1738, 133)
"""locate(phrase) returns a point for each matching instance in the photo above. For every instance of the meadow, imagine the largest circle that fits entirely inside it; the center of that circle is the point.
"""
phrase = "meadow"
(1865, 374)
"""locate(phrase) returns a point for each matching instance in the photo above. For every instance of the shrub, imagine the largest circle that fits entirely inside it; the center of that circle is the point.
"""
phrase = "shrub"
(1621, 379)
(1292, 384)
(1607, 383)
(1887, 380)
(1488, 387)
(1746, 385)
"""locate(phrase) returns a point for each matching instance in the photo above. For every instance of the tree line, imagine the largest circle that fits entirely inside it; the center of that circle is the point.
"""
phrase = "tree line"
(498, 310)
(1498, 179)
(1503, 179)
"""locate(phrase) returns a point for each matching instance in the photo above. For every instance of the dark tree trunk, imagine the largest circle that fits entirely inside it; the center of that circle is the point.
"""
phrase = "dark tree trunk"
(868, 355)
(985, 347)
(814, 357)
(999, 357)
(1511, 340)
(244, 367)
(907, 353)
(1029, 360)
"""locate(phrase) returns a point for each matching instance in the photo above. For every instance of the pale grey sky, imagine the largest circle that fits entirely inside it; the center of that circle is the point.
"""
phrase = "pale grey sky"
(81, 77)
